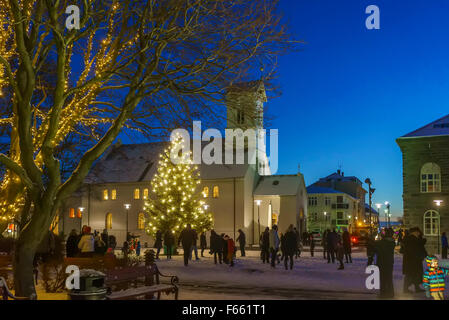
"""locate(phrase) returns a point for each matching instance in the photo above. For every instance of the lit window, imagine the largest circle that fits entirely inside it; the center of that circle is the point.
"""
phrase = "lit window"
(141, 221)
(430, 178)
(105, 194)
(108, 223)
(431, 223)
(145, 193)
(137, 193)
(72, 213)
(113, 194)
(216, 192)
(79, 213)
(206, 192)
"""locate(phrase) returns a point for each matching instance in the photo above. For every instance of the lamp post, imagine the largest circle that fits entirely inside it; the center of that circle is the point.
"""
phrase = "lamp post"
(325, 220)
(127, 206)
(81, 209)
(438, 203)
(258, 202)
(378, 206)
(388, 212)
(370, 194)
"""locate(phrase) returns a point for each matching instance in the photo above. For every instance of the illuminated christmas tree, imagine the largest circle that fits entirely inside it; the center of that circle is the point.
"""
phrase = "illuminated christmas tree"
(175, 201)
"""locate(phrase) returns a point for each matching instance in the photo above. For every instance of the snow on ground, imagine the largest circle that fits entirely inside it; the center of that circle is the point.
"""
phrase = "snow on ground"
(311, 278)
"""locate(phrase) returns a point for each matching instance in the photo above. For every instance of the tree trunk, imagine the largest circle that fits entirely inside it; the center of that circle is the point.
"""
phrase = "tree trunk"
(23, 267)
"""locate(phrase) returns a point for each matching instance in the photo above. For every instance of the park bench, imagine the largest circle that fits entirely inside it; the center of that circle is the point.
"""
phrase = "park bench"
(6, 266)
(120, 279)
(5, 293)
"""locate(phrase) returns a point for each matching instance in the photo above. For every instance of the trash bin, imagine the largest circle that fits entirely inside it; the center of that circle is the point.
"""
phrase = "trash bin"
(91, 286)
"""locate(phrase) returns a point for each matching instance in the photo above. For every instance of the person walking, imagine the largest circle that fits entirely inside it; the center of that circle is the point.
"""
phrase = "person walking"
(266, 245)
(105, 238)
(86, 245)
(242, 242)
(71, 246)
(282, 246)
(331, 242)
(339, 253)
(187, 238)
(413, 256)
(274, 244)
(384, 251)
(158, 243)
(370, 249)
(203, 243)
(194, 245)
(169, 242)
(290, 246)
(230, 250)
(347, 246)
(312, 245)
(216, 246)
(444, 245)
(298, 243)
(324, 244)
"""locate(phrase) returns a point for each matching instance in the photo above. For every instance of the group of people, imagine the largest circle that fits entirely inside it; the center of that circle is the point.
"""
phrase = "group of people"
(337, 246)
(87, 244)
(289, 243)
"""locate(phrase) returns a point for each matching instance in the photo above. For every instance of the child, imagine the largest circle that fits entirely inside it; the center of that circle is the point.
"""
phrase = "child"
(433, 279)
(231, 250)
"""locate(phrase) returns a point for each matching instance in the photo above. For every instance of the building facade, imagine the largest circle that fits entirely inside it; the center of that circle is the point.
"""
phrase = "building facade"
(425, 163)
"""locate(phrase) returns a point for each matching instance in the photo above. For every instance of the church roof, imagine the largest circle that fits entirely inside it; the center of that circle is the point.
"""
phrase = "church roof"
(138, 162)
(438, 127)
(312, 189)
(282, 185)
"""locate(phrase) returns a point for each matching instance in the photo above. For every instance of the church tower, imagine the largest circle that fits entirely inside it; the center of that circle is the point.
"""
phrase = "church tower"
(245, 110)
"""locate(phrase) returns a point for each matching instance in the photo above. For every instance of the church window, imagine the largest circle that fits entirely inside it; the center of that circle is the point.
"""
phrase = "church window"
(108, 222)
(137, 193)
(105, 194)
(145, 193)
(141, 221)
(113, 194)
(216, 192)
(72, 213)
(431, 223)
(430, 178)
(205, 192)
(327, 201)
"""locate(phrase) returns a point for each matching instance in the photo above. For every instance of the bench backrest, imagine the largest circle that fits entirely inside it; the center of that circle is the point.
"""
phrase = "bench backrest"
(127, 274)
(86, 263)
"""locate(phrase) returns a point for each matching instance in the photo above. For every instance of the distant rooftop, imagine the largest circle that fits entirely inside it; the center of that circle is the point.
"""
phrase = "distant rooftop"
(339, 176)
(438, 127)
(313, 189)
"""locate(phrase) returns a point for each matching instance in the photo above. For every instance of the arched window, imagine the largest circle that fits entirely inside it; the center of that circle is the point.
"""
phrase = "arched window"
(430, 177)
(72, 213)
(145, 193)
(431, 223)
(206, 192)
(141, 221)
(105, 194)
(113, 194)
(137, 193)
(216, 192)
(108, 224)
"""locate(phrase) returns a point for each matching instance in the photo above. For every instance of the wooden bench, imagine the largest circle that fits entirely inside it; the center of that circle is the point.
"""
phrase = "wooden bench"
(96, 263)
(121, 278)
(5, 293)
(6, 267)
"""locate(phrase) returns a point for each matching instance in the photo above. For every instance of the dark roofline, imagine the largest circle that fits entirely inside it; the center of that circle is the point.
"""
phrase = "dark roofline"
(410, 133)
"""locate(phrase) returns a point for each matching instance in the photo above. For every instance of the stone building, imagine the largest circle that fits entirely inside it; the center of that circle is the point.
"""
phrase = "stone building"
(425, 163)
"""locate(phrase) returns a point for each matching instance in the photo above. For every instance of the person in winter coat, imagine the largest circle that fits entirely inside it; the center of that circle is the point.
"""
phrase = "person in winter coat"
(290, 246)
(241, 239)
(71, 246)
(339, 253)
(331, 242)
(324, 244)
(194, 245)
(158, 243)
(203, 243)
(370, 249)
(384, 250)
(187, 238)
(434, 277)
(99, 245)
(444, 245)
(274, 244)
(265, 245)
(169, 241)
(312, 245)
(413, 256)
(298, 243)
(125, 249)
(86, 245)
(138, 247)
(112, 242)
(105, 238)
(282, 245)
(224, 242)
(347, 246)
(216, 246)
(230, 250)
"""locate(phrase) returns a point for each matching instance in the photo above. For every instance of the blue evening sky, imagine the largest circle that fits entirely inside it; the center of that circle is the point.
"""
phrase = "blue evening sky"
(350, 92)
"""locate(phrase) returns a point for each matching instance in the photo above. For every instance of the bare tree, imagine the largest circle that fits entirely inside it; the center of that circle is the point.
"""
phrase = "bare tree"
(146, 65)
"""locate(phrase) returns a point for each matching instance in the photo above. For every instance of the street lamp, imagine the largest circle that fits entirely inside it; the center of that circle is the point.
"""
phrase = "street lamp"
(258, 202)
(388, 211)
(127, 206)
(438, 204)
(81, 209)
(370, 193)
(325, 220)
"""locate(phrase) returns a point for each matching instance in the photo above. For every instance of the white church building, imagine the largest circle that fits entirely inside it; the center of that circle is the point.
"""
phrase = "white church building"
(239, 196)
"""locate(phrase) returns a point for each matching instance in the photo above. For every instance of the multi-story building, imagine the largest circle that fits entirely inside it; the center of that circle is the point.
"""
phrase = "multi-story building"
(425, 163)
(329, 208)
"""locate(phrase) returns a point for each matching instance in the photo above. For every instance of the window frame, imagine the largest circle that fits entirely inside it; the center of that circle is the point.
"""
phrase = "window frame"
(427, 178)
(215, 192)
(141, 221)
(108, 221)
(434, 223)
(136, 194)
(114, 194)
